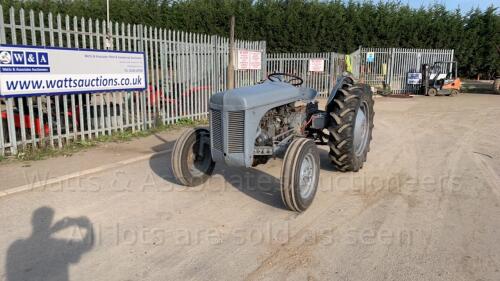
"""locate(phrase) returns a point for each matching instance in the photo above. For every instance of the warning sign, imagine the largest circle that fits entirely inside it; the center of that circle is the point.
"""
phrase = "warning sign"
(370, 57)
(316, 65)
(248, 59)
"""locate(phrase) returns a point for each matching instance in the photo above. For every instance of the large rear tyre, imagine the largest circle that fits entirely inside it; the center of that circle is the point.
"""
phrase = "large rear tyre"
(432, 92)
(192, 162)
(300, 174)
(351, 127)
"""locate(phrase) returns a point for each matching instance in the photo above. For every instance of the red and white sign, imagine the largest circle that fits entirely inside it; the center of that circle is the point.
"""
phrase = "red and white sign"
(317, 65)
(248, 60)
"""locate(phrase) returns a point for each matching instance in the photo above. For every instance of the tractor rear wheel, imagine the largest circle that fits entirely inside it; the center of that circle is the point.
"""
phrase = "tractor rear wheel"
(300, 174)
(432, 92)
(192, 162)
(351, 128)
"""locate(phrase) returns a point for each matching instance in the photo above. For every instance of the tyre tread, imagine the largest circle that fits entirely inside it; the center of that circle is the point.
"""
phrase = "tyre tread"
(177, 159)
(341, 130)
(288, 174)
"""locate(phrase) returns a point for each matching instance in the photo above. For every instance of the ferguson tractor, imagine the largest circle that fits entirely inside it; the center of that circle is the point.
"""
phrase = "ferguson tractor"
(279, 118)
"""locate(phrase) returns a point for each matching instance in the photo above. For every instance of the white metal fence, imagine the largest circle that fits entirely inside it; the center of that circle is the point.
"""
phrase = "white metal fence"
(377, 67)
(298, 64)
(183, 70)
(355, 58)
(390, 66)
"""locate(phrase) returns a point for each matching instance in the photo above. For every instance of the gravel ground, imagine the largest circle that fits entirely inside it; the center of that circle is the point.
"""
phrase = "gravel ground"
(426, 206)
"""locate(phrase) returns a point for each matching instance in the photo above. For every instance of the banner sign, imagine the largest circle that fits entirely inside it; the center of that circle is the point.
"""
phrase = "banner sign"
(316, 65)
(414, 78)
(246, 59)
(31, 71)
(370, 57)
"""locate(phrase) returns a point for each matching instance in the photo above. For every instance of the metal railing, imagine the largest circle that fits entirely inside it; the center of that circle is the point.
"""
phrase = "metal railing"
(390, 66)
(298, 64)
(183, 70)
(378, 67)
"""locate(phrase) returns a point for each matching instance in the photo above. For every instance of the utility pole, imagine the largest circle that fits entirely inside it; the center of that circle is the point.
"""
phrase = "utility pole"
(230, 67)
(108, 25)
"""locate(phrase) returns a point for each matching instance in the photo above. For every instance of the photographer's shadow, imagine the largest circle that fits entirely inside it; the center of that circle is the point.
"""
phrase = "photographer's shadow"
(43, 257)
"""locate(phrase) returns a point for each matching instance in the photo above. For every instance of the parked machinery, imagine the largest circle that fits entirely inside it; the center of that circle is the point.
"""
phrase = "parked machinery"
(496, 85)
(441, 78)
(279, 118)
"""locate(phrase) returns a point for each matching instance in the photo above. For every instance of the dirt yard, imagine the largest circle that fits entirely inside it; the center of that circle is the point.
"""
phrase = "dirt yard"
(426, 206)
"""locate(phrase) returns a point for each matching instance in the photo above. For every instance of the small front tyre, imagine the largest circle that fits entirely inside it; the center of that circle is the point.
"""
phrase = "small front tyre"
(300, 174)
(192, 162)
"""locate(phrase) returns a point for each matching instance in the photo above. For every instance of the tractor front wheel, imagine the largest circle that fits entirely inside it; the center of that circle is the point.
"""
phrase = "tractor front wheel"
(351, 128)
(192, 162)
(300, 174)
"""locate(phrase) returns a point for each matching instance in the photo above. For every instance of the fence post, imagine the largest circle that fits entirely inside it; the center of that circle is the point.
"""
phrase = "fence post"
(452, 59)
(215, 74)
(264, 60)
(330, 73)
(9, 101)
(230, 66)
(2, 40)
(390, 70)
(143, 96)
(419, 61)
(360, 62)
(2, 27)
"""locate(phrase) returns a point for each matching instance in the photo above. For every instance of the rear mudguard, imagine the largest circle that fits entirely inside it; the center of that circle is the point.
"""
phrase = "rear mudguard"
(341, 81)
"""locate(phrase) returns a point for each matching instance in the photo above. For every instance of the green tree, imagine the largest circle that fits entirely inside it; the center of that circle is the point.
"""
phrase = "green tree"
(310, 25)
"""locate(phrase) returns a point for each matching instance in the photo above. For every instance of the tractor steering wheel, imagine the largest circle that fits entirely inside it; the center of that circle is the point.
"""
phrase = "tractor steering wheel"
(277, 77)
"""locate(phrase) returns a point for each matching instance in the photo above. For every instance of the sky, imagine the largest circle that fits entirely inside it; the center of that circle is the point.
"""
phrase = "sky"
(453, 4)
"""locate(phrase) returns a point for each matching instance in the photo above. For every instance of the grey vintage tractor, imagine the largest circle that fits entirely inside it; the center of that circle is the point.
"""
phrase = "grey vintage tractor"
(279, 118)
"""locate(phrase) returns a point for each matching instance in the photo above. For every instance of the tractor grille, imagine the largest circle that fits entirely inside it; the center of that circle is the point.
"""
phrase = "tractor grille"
(216, 129)
(235, 131)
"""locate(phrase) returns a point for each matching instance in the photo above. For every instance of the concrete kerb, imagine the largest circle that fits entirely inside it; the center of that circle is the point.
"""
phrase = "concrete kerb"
(39, 184)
